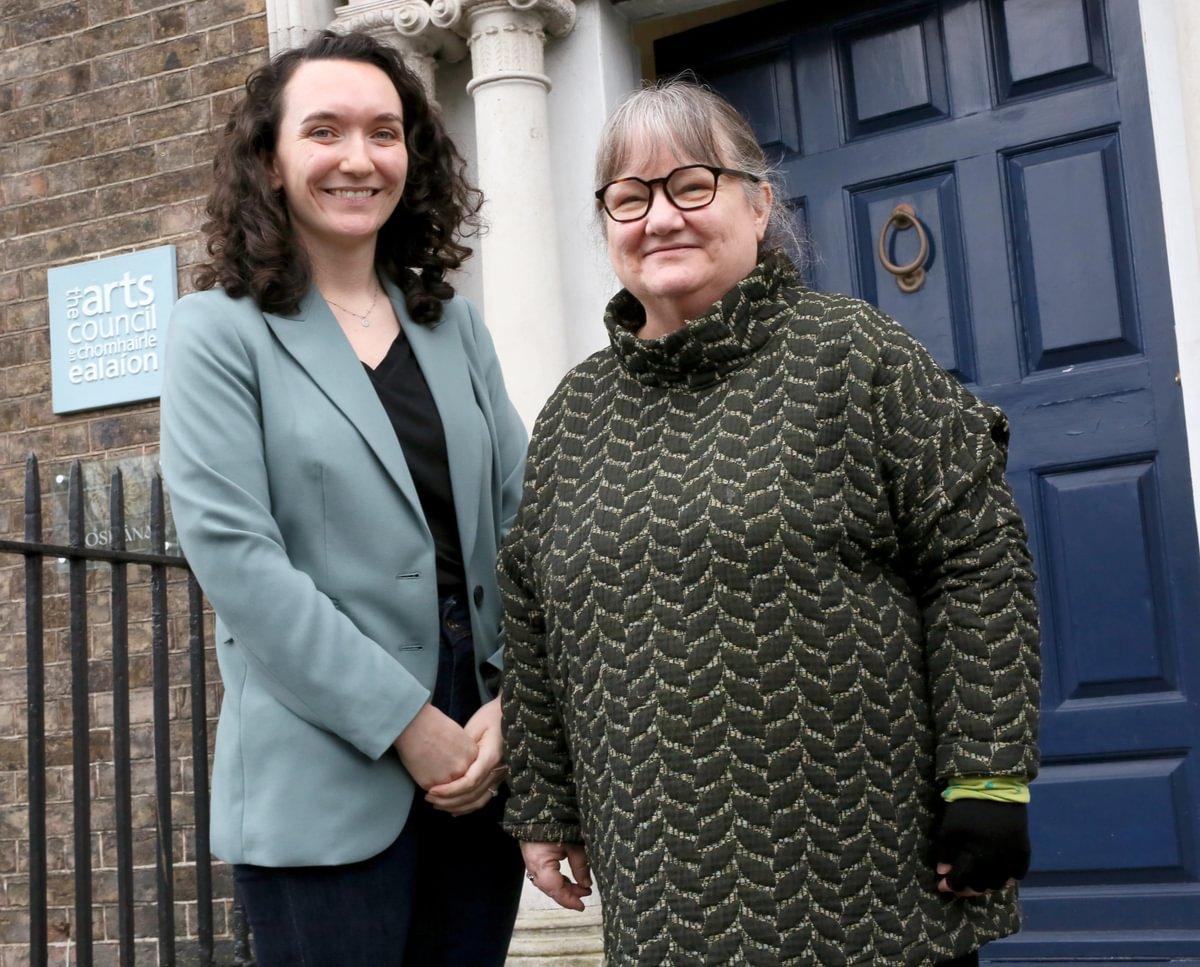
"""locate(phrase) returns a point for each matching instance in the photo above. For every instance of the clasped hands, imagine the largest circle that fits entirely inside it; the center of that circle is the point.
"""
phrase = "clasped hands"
(459, 767)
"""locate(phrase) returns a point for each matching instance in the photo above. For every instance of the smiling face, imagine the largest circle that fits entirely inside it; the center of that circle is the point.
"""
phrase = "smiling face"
(678, 263)
(339, 155)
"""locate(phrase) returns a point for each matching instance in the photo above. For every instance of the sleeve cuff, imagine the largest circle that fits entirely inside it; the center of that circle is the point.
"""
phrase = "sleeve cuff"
(544, 832)
(399, 718)
(1010, 789)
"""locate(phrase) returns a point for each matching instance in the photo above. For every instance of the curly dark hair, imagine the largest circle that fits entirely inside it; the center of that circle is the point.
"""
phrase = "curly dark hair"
(252, 246)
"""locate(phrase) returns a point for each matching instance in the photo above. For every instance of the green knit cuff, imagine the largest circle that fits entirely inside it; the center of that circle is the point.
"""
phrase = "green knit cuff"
(996, 788)
(544, 832)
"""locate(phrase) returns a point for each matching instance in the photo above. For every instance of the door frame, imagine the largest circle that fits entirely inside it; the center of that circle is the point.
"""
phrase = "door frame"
(1173, 87)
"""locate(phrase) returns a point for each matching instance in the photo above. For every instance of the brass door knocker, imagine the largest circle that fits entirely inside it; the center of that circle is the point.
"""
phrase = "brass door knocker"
(909, 277)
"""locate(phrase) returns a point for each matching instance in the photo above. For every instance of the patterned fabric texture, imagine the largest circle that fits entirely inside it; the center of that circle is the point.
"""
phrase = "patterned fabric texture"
(767, 592)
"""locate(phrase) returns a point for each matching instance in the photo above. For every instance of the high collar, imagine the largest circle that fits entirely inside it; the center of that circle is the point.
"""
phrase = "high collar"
(710, 347)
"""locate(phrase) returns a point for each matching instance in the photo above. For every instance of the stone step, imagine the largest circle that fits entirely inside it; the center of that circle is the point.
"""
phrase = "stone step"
(556, 938)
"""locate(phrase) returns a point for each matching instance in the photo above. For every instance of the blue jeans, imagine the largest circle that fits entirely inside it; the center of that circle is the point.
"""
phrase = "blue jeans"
(444, 894)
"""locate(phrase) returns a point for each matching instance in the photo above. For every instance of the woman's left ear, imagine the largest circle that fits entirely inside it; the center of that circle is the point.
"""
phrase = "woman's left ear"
(762, 209)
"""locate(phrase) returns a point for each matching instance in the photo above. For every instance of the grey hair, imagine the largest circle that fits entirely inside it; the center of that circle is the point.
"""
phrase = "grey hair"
(696, 124)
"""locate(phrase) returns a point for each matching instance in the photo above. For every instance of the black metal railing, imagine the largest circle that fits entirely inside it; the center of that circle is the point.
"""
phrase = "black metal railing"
(77, 555)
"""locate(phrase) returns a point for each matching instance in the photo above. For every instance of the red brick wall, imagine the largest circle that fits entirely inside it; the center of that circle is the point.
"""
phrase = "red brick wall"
(107, 109)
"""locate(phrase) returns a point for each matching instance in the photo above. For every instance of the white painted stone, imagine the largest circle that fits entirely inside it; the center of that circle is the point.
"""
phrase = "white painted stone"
(408, 26)
(292, 23)
(593, 68)
(562, 938)
(1171, 40)
(522, 279)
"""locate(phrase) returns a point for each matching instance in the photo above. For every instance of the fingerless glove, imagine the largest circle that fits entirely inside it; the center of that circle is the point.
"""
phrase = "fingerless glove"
(986, 843)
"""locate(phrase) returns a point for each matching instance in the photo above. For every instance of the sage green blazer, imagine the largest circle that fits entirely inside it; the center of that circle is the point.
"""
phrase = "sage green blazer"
(297, 513)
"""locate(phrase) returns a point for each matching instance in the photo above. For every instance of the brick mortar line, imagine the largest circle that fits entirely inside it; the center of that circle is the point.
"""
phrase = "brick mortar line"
(174, 238)
(126, 50)
(117, 86)
(45, 135)
(97, 221)
(96, 190)
(17, 332)
(170, 239)
(132, 16)
(99, 188)
(98, 23)
(105, 154)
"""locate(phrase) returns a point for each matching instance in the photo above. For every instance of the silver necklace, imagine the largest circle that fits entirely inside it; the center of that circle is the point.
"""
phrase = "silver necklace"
(361, 317)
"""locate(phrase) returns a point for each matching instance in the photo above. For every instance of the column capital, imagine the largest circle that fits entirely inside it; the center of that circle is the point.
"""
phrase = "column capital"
(407, 25)
(557, 17)
(507, 37)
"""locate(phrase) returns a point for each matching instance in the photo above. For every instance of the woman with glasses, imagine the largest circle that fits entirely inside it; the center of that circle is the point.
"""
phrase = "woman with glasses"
(771, 673)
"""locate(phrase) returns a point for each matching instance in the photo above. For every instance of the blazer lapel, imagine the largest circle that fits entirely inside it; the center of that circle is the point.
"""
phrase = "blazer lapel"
(314, 339)
(443, 361)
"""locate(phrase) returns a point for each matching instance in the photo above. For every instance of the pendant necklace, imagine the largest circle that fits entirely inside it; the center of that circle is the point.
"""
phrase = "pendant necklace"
(361, 317)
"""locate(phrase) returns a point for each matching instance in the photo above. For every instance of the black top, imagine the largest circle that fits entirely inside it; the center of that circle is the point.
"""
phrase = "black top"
(405, 396)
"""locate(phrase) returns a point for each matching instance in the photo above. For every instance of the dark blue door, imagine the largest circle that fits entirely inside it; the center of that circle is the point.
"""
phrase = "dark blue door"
(1018, 131)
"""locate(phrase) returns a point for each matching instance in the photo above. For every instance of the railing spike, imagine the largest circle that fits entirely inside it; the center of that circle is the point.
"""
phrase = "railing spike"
(35, 701)
(200, 797)
(80, 723)
(75, 533)
(33, 500)
(162, 730)
(122, 781)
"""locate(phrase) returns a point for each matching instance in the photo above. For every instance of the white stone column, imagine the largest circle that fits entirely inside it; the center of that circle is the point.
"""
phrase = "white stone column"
(407, 26)
(522, 288)
(292, 23)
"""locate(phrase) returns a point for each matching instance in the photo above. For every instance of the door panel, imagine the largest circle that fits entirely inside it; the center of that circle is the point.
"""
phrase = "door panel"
(1018, 131)
(940, 309)
(765, 80)
(1138, 851)
(1040, 45)
(892, 73)
(1092, 518)
(1070, 198)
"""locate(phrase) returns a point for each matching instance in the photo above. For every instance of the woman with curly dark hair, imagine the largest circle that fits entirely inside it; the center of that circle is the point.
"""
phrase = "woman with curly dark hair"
(343, 460)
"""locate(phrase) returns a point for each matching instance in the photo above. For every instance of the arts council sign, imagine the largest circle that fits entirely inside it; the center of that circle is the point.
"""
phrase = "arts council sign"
(107, 325)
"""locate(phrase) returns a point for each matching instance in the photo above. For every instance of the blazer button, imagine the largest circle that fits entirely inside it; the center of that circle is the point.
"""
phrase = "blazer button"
(478, 595)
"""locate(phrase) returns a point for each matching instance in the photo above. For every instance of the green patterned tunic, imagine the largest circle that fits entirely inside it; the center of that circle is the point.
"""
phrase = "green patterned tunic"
(767, 591)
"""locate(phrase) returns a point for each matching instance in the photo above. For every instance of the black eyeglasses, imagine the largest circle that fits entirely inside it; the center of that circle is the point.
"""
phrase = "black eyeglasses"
(687, 188)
